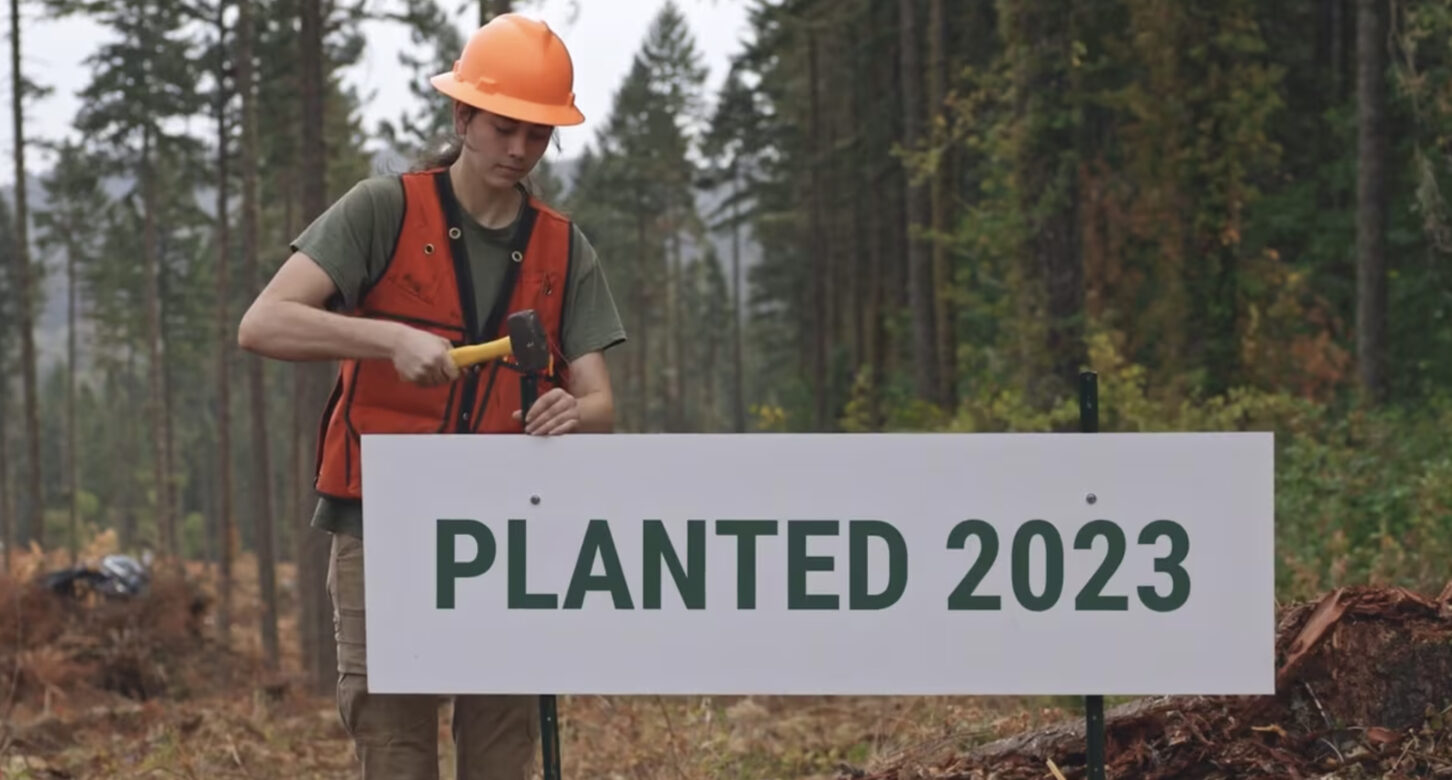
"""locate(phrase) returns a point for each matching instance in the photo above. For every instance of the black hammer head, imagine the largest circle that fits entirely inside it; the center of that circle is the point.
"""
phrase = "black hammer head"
(528, 341)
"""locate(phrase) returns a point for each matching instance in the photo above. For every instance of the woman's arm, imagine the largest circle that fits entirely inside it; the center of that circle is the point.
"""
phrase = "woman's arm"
(288, 321)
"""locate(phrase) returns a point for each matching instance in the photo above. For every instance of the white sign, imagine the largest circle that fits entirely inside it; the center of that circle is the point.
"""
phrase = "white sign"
(820, 564)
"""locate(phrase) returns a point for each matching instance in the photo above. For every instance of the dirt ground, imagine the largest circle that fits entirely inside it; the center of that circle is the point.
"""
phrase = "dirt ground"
(144, 689)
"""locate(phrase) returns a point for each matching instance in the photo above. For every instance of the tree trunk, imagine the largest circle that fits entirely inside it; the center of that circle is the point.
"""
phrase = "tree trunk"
(156, 369)
(1045, 177)
(72, 481)
(818, 323)
(873, 345)
(121, 452)
(35, 508)
(1371, 200)
(7, 504)
(225, 550)
(674, 353)
(1340, 62)
(316, 627)
(257, 392)
(707, 416)
(920, 279)
(941, 194)
(642, 362)
(738, 313)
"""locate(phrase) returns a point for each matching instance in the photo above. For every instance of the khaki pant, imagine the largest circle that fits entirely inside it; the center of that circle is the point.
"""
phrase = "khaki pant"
(396, 736)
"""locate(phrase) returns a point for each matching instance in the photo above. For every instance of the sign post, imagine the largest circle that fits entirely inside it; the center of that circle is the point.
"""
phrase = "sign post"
(822, 564)
(1093, 704)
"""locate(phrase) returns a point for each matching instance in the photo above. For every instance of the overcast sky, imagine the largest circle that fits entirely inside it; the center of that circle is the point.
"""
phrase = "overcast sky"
(602, 38)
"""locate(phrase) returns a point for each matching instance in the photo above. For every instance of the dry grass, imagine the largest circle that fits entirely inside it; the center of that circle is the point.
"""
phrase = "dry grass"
(212, 712)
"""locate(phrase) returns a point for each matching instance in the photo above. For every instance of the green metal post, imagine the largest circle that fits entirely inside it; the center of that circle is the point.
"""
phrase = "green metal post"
(1093, 705)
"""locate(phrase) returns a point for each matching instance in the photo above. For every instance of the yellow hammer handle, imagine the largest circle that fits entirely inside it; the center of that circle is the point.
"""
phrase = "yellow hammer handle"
(480, 353)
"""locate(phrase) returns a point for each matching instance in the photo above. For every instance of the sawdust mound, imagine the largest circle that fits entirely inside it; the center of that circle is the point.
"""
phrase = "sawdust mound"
(55, 650)
(1363, 686)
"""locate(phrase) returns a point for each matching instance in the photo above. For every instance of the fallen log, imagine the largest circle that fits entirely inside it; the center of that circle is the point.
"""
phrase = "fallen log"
(1364, 677)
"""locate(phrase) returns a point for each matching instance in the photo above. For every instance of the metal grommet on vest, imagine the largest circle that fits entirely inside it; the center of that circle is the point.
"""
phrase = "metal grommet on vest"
(517, 256)
(428, 249)
(454, 233)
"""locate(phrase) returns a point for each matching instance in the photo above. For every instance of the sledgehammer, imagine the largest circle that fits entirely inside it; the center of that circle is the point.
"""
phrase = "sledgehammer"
(526, 342)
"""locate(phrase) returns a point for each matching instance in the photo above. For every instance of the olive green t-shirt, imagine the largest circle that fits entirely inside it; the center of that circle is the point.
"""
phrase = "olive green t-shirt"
(352, 242)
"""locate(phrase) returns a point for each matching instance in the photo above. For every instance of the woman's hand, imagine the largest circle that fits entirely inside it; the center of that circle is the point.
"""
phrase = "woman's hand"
(423, 358)
(553, 413)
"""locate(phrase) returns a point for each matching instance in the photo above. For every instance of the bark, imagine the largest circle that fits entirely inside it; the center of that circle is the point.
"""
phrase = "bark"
(738, 382)
(226, 549)
(674, 339)
(312, 545)
(879, 236)
(1051, 274)
(35, 504)
(708, 418)
(72, 482)
(1340, 62)
(642, 363)
(940, 195)
(920, 279)
(7, 504)
(1371, 198)
(156, 355)
(819, 325)
(257, 394)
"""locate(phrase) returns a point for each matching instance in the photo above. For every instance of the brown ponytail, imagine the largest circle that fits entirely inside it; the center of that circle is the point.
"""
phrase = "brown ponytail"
(450, 154)
(440, 159)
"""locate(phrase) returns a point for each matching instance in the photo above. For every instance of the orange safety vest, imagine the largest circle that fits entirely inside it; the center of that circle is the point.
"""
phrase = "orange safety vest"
(428, 285)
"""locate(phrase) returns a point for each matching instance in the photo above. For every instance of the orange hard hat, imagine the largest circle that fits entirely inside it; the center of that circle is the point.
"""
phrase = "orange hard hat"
(516, 67)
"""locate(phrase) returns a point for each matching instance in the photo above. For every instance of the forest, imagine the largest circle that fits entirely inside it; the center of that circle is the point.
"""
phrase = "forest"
(889, 215)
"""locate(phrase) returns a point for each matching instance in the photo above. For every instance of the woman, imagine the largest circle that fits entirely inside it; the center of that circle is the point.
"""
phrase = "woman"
(394, 275)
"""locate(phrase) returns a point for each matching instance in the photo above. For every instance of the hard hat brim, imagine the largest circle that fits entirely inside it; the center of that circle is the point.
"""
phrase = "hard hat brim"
(513, 108)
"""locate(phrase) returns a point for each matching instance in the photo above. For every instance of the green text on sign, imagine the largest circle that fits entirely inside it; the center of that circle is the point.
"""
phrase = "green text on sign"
(662, 555)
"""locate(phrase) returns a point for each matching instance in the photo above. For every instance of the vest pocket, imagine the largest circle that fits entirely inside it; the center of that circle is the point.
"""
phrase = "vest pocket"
(541, 288)
(418, 280)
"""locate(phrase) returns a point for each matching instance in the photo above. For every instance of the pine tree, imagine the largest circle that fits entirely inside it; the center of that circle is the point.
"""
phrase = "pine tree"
(263, 506)
(311, 381)
(729, 146)
(69, 226)
(9, 304)
(142, 78)
(432, 32)
(224, 91)
(25, 286)
(646, 143)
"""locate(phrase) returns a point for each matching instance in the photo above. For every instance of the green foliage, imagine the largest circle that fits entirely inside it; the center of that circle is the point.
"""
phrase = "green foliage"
(1361, 495)
(436, 42)
(634, 198)
(1197, 163)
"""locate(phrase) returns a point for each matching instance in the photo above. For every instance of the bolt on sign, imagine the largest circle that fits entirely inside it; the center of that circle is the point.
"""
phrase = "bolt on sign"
(820, 564)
